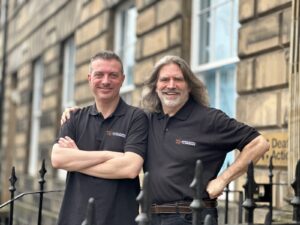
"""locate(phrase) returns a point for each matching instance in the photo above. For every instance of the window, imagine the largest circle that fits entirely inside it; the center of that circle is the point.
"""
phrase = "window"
(214, 51)
(68, 89)
(214, 39)
(68, 73)
(38, 75)
(125, 38)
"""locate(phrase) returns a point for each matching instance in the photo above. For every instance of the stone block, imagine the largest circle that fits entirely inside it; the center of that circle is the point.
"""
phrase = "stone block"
(48, 119)
(91, 9)
(142, 4)
(259, 35)
(21, 139)
(284, 107)
(84, 53)
(47, 134)
(266, 5)
(23, 111)
(142, 71)
(52, 69)
(155, 41)
(89, 30)
(246, 9)
(286, 26)
(52, 86)
(23, 125)
(259, 110)
(245, 75)
(25, 97)
(82, 92)
(139, 4)
(175, 34)
(145, 20)
(51, 54)
(173, 51)
(24, 84)
(49, 102)
(271, 70)
(167, 10)
(138, 49)
(82, 73)
(24, 71)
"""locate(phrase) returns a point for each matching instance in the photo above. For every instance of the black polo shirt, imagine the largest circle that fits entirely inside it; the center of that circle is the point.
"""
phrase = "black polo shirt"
(176, 143)
(115, 199)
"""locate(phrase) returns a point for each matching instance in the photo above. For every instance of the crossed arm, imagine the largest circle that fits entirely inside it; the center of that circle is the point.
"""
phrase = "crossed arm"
(104, 164)
(253, 151)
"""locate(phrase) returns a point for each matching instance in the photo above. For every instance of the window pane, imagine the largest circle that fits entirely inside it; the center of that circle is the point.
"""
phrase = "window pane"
(38, 74)
(217, 28)
(227, 81)
(125, 39)
(68, 73)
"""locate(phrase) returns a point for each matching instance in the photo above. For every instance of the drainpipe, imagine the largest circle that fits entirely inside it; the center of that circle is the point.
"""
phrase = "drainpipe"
(4, 22)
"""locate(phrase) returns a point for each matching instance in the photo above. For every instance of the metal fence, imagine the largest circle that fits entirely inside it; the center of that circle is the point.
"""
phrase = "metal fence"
(7, 219)
(246, 205)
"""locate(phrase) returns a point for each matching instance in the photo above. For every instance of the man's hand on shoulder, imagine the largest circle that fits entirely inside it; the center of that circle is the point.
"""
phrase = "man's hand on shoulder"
(67, 113)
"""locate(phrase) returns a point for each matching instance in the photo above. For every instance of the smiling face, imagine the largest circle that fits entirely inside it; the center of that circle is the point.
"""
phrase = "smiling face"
(106, 79)
(171, 88)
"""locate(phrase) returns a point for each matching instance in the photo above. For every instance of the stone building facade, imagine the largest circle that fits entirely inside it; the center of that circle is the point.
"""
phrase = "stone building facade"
(42, 77)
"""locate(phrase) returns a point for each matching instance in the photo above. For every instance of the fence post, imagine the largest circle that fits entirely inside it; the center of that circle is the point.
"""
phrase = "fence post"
(13, 179)
(240, 213)
(197, 184)
(269, 216)
(226, 190)
(296, 199)
(90, 213)
(42, 181)
(250, 187)
(143, 198)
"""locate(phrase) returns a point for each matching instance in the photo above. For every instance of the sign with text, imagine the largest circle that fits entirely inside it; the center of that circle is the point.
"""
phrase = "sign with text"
(278, 149)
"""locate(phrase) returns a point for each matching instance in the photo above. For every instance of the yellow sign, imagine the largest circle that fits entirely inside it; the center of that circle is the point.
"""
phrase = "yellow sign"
(278, 149)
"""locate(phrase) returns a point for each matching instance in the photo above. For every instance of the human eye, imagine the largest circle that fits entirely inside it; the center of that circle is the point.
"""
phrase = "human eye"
(98, 75)
(179, 79)
(163, 79)
(113, 75)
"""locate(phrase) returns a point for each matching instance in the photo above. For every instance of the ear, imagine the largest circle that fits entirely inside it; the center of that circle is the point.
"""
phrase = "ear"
(89, 77)
(123, 78)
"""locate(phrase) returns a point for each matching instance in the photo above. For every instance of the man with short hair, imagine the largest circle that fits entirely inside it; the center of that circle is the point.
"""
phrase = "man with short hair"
(102, 147)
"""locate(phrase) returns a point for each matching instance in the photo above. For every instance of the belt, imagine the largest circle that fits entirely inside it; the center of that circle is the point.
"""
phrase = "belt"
(180, 207)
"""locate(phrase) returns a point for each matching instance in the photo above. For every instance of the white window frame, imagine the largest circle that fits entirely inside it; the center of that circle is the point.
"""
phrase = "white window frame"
(195, 42)
(68, 89)
(36, 113)
(119, 47)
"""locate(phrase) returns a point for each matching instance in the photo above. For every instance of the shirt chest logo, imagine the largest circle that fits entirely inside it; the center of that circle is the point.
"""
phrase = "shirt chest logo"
(179, 141)
(115, 134)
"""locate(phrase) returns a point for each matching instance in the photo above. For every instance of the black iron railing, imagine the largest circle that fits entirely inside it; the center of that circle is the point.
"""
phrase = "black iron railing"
(248, 204)
(8, 220)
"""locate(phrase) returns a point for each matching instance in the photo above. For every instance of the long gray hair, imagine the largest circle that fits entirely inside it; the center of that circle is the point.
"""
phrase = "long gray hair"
(151, 101)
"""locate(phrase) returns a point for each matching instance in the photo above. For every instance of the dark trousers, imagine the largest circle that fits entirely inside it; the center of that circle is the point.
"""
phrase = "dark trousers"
(183, 219)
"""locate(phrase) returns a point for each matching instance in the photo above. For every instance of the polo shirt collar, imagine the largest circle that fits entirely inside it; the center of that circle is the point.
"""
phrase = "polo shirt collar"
(184, 112)
(119, 111)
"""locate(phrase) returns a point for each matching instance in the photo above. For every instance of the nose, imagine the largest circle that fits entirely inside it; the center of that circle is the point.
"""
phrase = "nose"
(105, 79)
(171, 83)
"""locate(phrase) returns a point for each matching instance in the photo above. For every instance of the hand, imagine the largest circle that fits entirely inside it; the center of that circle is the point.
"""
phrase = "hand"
(67, 142)
(66, 114)
(215, 188)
